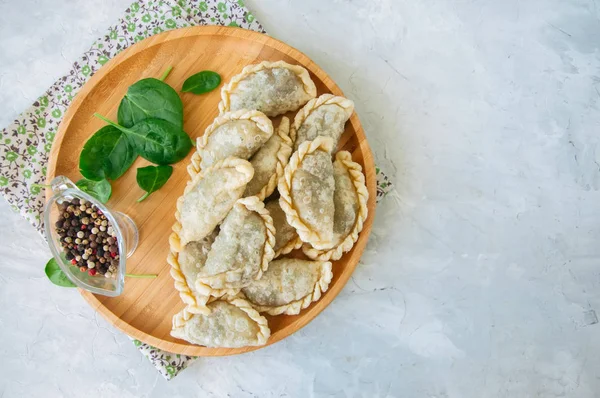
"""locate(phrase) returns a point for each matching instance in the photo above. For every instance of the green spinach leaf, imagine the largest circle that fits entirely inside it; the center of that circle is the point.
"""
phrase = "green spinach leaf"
(56, 275)
(152, 178)
(100, 190)
(107, 154)
(156, 140)
(202, 82)
(150, 98)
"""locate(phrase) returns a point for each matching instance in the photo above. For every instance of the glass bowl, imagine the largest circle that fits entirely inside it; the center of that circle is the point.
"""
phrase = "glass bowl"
(125, 229)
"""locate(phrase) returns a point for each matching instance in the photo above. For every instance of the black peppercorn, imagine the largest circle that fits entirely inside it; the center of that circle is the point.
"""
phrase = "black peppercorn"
(84, 236)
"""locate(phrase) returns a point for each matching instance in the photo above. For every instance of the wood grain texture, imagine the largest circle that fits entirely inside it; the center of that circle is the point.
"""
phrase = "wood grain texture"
(145, 308)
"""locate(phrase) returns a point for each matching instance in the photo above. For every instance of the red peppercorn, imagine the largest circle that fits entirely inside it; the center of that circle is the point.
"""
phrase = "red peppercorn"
(99, 212)
(94, 252)
(73, 261)
(83, 226)
(92, 272)
(113, 254)
(82, 269)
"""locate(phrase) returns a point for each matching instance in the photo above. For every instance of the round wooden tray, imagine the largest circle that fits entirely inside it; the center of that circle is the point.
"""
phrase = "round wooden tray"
(145, 309)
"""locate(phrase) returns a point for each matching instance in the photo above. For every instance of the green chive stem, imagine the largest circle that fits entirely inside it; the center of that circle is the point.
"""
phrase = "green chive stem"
(146, 276)
(165, 74)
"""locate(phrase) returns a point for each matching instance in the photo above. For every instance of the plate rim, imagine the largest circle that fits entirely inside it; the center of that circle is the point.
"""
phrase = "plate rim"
(312, 311)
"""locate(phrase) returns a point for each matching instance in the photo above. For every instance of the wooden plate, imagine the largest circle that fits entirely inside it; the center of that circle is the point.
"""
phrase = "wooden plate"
(145, 309)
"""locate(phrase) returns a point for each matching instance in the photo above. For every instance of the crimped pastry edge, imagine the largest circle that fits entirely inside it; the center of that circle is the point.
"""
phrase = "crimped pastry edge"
(261, 120)
(254, 204)
(294, 308)
(305, 233)
(325, 99)
(196, 303)
(293, 244)
(263, 334)
(362, 194)
(283, 157)
(301, 72)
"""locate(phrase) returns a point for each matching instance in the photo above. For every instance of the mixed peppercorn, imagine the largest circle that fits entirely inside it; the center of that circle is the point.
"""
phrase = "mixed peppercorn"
(87, 238)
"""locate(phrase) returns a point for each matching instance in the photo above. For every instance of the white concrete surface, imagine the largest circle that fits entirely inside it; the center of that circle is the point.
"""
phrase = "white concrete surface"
(482, 281)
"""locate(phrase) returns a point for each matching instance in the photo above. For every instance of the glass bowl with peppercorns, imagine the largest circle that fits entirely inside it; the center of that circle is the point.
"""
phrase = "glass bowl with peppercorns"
(89, 241)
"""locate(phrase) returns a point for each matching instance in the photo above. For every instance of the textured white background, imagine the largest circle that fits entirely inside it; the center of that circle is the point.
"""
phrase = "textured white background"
(481, 281)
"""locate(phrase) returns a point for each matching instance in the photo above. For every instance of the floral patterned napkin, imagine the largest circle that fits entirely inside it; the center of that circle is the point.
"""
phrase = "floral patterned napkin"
(26, 143)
